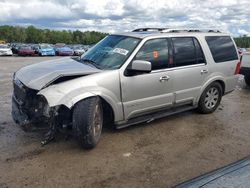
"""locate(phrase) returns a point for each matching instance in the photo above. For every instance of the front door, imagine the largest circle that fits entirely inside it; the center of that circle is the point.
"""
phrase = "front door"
(149, 92)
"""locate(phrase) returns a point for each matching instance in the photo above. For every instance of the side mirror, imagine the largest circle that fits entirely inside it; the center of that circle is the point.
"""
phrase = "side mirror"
(139, 66)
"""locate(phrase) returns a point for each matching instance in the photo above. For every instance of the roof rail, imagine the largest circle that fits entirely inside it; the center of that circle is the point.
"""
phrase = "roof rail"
(149, 29)
(190, 30)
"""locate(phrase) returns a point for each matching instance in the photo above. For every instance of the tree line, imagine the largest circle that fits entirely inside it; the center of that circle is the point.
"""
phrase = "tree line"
(31, 34)
(243, 41)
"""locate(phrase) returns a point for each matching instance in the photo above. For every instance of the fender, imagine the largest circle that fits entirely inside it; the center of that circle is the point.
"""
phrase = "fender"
(55, 97)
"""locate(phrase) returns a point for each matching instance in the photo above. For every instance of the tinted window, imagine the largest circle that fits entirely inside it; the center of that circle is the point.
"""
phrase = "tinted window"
(155, 51)
(199, 53)
(184, 51)
(222, 48)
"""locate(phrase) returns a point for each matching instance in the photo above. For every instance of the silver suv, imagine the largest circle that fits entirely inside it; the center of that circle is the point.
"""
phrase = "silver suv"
(125, 79)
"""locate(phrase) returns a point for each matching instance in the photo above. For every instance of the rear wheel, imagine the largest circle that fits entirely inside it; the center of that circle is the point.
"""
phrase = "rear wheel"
(88, 121)
(247, 80)
(210, 98)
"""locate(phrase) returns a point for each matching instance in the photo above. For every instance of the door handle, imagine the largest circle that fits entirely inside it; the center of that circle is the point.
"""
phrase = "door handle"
(205, 71)
(164, 78)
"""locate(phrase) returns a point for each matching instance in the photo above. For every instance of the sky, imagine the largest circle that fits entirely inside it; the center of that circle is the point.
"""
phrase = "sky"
(112, 16)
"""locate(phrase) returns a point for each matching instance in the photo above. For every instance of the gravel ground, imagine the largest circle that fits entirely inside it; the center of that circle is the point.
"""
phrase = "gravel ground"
(162, 153)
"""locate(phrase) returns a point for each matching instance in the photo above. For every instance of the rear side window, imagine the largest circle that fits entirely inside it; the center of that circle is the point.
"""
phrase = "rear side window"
(222, 48)
(156, 52)
(187, 51)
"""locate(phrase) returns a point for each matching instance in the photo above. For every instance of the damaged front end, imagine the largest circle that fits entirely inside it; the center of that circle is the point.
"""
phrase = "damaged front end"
(27, 107)
(32, 112)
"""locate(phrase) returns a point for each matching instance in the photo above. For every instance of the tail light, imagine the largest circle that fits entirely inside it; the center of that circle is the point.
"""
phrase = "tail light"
(237, 70)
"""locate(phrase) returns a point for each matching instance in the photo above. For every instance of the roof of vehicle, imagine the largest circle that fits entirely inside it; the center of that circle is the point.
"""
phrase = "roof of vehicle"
(151, 32)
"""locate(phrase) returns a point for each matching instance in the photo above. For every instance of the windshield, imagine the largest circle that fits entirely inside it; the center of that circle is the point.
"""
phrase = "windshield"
(26, 47)
(3, 46)
(111, 52)
(45, 46)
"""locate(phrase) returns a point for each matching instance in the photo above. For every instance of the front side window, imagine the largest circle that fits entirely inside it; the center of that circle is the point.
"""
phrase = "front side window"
(156, 52)
(222, 48)
(111, 52)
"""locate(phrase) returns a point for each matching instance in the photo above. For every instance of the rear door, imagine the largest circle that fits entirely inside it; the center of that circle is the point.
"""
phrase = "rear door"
(190, 69)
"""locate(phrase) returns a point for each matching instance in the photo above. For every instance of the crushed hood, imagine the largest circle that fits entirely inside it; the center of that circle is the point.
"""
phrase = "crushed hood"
(40, 75)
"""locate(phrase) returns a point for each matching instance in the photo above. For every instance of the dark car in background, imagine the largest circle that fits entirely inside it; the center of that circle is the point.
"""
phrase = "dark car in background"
(26, 51)
(15, 47)
(245, 67)
(64, 51)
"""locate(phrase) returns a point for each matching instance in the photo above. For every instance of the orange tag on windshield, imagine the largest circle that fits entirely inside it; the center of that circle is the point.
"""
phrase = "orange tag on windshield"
(155, 54)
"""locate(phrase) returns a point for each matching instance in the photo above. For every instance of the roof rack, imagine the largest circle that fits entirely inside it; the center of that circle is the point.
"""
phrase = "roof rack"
(149, 29)
(190, 30)
(169, 30)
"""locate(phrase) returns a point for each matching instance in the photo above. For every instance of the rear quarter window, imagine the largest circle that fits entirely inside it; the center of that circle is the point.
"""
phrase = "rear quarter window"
(222, 48)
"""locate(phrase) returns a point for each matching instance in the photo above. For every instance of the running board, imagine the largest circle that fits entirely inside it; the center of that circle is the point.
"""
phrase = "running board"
(157, 115)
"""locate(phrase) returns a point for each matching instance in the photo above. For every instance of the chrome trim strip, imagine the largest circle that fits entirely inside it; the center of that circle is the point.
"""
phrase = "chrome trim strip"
(177, 68)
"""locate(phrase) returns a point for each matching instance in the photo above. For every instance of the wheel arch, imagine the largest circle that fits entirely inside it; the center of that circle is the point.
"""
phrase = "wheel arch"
(56, 97)
(108, 110)
(220, 80)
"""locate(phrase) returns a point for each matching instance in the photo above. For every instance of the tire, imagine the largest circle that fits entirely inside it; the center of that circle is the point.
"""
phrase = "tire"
(247, 80)
(210, 98)
(88, 122)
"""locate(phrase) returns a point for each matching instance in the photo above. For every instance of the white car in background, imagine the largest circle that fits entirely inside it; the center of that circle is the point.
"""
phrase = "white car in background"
(5, 50)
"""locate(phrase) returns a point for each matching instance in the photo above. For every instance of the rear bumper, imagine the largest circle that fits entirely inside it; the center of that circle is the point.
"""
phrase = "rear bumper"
(245, 71)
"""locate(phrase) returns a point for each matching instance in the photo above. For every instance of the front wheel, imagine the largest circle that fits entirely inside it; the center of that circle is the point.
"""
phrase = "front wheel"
(247, 80)
(88, 121)
(210, 98)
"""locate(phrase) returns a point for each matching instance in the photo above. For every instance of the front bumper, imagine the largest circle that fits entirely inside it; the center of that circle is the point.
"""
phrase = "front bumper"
(27, 107)
(18, 115)
(48, 53)
(5, 53)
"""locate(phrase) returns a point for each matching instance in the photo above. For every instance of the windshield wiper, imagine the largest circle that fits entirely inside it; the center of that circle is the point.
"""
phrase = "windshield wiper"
(91, 62)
